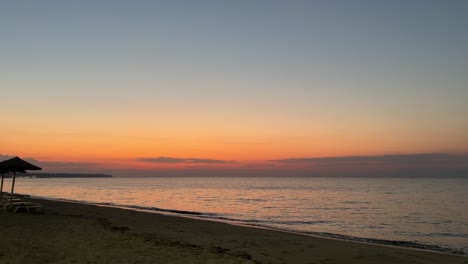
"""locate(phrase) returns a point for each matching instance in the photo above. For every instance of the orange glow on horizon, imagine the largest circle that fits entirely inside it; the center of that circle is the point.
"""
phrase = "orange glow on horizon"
(118, 144)
(255, 149)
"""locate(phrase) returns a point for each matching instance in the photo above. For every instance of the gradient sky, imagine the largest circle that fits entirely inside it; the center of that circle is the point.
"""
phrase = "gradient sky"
(118, 82)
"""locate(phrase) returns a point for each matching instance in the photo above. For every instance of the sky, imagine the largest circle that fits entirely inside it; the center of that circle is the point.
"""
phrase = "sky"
(232, 85)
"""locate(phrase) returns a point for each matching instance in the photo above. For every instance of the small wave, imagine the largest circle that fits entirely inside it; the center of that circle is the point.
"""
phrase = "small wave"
(156, 209)
(252, 200)
(398, 243)
(332, 208)
(449, 235)
(135, 207)
(354, 202)
(267, 222)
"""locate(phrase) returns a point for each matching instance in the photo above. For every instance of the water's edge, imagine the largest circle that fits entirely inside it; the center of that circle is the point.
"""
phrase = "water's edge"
(259, 224)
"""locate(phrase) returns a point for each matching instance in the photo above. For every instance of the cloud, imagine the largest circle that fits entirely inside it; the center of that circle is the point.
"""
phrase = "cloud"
(5, 157)
(53, 165)
(260, 165)
(65, 164)
(432, 159)
(183, 160)
(60, 164)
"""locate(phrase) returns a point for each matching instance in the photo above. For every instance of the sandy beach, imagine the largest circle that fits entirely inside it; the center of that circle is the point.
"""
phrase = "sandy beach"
(79, 233)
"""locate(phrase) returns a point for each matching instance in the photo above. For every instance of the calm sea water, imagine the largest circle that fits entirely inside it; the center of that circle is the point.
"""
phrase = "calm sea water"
(425, 211)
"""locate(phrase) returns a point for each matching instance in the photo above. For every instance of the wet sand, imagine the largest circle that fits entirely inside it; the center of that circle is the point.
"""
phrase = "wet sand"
(79, 233)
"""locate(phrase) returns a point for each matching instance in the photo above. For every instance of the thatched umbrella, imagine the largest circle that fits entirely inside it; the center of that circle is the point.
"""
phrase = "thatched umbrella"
(16, 165)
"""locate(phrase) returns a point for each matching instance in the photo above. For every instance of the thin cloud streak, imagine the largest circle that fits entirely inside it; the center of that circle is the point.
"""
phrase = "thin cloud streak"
(398, 159)
(171, 160)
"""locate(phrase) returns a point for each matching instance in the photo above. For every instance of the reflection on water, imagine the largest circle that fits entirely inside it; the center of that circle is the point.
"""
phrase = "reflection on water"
(431, 211)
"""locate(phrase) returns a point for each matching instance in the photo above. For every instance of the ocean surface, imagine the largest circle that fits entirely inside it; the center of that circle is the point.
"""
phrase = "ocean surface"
(429, 213)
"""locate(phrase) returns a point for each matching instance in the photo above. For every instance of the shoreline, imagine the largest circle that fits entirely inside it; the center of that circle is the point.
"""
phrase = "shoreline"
(333, 236)
(132, 234)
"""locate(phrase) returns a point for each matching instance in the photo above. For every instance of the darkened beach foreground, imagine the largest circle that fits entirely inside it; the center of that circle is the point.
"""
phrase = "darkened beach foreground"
(80, 233)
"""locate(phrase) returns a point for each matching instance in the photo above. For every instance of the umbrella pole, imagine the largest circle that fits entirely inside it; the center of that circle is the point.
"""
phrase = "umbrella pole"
(12, 187)
(1, 186)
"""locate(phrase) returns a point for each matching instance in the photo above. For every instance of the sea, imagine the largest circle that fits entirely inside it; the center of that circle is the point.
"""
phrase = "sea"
(424, 213)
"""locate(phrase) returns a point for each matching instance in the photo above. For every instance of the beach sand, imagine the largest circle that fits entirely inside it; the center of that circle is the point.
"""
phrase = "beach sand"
(79, 233)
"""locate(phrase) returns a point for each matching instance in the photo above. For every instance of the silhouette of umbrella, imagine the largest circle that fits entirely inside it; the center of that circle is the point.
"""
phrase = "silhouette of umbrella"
(2, 171)
(16, 165)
